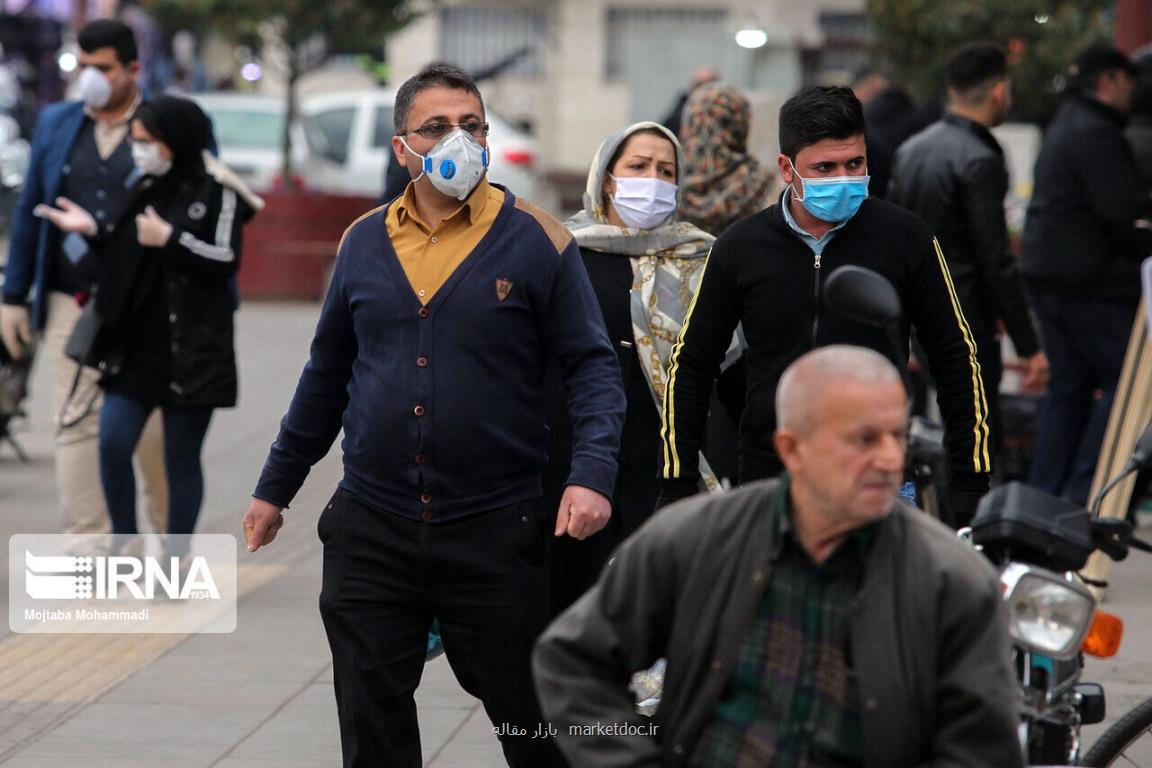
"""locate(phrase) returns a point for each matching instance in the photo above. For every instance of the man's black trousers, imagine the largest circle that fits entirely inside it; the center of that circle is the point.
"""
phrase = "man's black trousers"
(1085, 340)
(386, 577)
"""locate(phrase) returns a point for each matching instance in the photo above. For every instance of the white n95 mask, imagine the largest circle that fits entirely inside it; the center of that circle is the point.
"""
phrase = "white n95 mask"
(644, 203)
(454, 165)
(95, 89)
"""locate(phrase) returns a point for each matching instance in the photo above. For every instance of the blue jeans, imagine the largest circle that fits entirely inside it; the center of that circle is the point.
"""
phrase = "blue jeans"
(121, 422)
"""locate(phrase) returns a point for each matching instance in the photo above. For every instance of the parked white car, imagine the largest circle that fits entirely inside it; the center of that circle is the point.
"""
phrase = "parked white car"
(351, 135)
(249, 130)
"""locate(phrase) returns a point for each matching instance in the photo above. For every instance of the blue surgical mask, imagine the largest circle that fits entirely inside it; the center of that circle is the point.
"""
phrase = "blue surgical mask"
(835, 198)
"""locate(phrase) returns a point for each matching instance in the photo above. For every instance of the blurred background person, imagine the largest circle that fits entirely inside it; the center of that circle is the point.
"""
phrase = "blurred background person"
(644, 266)
(953, 175)
(166, 305)
(188, 74)
(1139, 129)
(81, 150)
(870, 82)
(1080, 258)
(722, 182)
(674, 120)
(891, 117)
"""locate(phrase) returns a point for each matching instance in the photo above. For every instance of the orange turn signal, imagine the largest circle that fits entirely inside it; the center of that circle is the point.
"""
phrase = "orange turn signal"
(1103, 638)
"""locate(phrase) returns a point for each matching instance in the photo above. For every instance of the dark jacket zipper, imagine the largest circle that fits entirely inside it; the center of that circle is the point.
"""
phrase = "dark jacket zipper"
(816, 296)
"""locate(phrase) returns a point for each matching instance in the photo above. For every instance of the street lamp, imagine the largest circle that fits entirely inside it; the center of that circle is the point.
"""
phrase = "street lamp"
(751, 35)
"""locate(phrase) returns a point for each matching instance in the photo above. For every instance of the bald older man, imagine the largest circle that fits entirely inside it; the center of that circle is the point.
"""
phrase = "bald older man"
(811, 620)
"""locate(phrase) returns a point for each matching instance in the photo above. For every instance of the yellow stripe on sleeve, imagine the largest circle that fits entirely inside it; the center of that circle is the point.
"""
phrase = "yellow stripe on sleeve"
(981, 461)
(668, 412)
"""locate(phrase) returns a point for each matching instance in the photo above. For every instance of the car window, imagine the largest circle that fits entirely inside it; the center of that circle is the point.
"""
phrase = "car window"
(336, 127)
(247, 128)
(383, 130)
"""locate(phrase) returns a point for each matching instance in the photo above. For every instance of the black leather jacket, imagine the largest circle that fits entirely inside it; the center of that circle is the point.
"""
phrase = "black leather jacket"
(1079, 236)
(952, 175)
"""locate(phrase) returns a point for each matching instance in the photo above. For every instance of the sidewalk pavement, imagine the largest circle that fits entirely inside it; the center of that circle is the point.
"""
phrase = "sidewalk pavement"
(256, 698)
(262, 696)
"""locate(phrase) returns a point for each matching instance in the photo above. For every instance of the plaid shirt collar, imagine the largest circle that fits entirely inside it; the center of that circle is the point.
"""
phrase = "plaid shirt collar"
(856, 543)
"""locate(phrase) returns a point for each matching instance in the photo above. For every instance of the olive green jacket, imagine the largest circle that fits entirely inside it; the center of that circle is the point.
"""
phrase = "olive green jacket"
(929, 640)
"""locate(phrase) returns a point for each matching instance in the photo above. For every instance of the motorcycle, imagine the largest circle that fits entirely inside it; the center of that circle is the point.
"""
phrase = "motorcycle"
(1039, 543)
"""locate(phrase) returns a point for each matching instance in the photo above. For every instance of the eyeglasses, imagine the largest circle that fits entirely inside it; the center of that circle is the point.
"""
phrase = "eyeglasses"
(437, 131)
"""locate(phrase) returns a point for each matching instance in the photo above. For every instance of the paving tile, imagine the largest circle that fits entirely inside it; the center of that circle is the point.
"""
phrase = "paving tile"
(474, 746)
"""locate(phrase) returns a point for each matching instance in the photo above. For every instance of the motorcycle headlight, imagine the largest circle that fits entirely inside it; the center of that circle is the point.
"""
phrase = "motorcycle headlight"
(1047, 614)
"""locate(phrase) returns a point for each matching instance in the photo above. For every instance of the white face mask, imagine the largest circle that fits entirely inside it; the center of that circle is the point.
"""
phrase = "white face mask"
(146, 156)
(643, 203)
(454, 165)
(95, 88)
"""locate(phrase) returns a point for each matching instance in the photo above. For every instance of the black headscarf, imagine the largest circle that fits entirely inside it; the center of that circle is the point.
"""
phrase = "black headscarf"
(183, 126)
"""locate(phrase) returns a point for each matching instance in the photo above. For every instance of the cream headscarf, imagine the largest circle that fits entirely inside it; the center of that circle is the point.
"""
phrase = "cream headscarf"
(590, 227)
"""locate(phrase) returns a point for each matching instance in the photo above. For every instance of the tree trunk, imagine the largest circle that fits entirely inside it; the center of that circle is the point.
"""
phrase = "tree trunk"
(287, 175)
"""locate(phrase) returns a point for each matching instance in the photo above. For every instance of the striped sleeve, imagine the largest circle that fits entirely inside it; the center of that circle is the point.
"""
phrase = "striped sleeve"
(221, 248)
(694, 363)
(208, 237)
(947, 339)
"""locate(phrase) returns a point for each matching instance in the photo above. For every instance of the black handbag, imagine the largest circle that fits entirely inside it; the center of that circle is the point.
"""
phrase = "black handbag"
(83, 342)
(83, 347)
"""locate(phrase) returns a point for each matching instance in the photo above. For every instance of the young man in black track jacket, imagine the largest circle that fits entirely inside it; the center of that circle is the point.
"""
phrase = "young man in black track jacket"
(767, 272)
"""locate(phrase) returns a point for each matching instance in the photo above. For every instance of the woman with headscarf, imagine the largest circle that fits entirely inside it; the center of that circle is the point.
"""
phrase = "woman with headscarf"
(722, 182)
(644, 266)
(165, 306)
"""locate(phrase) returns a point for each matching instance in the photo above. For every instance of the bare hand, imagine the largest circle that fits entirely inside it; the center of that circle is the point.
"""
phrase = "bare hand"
(151, 230)
(15, 330)
(261, 523)
(1036, 376)
(68, 216)
(582, 512)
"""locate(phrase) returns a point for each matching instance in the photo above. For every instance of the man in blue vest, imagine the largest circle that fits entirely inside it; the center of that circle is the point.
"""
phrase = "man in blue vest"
(80, 150)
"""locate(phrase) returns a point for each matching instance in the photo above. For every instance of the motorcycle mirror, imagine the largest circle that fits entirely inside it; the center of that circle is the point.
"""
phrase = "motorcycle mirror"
(863, 295)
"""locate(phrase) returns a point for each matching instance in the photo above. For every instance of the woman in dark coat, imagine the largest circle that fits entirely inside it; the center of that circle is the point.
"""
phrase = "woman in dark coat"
(644, 266)
(165, 304)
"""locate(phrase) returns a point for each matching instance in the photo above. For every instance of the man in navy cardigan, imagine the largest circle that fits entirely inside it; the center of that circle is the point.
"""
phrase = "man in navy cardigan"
(444, 310)
(80, 150)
